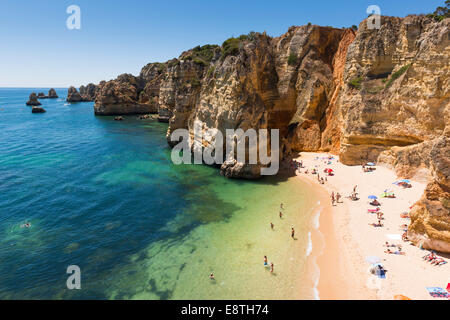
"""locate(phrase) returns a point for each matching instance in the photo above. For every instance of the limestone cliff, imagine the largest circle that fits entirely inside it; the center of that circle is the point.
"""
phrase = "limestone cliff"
(377, 95)
(396, 110)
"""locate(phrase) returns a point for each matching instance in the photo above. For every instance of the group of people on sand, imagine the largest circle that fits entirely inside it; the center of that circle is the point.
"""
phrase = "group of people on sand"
(296, 165)
(368, 169)
(434, 259)
(335, 198)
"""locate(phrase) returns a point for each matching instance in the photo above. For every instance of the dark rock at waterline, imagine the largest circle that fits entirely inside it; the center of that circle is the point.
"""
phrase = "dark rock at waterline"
(86, 94)
(73, 95)
(52, 94)
(37, 110)
(33, 100)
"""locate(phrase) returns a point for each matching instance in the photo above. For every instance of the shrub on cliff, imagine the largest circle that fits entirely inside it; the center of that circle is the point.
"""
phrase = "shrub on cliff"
(441, 12)
(397, 75)
(292, 59)
(231, 46)
(355, 83)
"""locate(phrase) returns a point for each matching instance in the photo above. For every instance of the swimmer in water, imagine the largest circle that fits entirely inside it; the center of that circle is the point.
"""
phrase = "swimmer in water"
(26, 225)
(211, 276)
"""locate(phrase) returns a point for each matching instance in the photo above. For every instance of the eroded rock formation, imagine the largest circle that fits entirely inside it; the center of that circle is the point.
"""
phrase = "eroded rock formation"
(52, 94)
(33, 100)
(86, 93)
(37, 110)
(377, 95)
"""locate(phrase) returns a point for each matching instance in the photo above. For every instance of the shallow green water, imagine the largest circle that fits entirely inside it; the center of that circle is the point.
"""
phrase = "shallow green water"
(104, 195)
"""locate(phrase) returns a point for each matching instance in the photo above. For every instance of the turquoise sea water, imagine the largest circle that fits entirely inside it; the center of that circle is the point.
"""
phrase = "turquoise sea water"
(104, 195)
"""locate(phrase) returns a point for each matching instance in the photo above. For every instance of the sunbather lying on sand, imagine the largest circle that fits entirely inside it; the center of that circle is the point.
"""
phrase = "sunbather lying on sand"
(387, 244)
(376, 225)
(375, 203)
(394, 252)
(438, 262)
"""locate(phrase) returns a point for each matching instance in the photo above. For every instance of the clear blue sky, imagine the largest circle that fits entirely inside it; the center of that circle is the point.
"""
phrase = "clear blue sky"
(37, 50)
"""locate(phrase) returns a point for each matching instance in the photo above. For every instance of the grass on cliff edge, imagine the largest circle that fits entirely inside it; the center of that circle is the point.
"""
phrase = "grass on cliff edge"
(397, 75)
(231, 46)
(202, 55)
(355, 83)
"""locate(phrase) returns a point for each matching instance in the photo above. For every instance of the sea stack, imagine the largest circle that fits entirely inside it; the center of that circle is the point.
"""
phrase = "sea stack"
(73, 95)
(52, 94)
(37, 110)
(33, 100)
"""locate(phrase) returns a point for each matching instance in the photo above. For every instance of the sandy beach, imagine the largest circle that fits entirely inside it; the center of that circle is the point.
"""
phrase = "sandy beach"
(345, 237)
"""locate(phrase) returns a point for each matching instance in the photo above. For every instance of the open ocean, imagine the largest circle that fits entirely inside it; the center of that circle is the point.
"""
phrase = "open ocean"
(104, 195)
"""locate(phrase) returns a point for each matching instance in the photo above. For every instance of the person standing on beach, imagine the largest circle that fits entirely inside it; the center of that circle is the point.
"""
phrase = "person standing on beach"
(292, 232)
(281, 206)
(281, 215)
(271, 267)
(354, 189)
(332, 198)
(271, 225)
(265, 261)
(338, 197)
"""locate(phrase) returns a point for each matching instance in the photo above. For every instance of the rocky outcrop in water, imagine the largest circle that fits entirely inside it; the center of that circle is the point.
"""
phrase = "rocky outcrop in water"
(52, 94)
(86, 93)
(37, 110)
(73, 95)
(33, 100)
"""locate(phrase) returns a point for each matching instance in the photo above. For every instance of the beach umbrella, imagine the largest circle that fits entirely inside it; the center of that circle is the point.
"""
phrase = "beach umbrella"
(405, 180)
(371, 164)
(373, 259)
(373, 197)
(401, 297)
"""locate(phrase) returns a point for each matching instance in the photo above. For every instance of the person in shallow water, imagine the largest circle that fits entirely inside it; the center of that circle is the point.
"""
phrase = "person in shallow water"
(26, 225)
(271, 225)
(281, 215)
(211, 276)
(281, 206)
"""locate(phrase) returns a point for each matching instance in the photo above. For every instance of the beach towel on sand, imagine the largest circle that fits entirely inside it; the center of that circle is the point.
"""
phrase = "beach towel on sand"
(437, 292)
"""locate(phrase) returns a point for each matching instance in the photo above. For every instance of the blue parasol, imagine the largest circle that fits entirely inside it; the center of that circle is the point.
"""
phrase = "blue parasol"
(405, 180)
(370, 164)
(373, 197)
